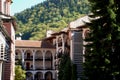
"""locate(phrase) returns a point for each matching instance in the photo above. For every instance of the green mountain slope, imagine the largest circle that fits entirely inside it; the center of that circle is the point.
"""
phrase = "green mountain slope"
(51, 14)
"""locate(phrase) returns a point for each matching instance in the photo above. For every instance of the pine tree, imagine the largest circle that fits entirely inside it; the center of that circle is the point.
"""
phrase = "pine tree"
(103, 48)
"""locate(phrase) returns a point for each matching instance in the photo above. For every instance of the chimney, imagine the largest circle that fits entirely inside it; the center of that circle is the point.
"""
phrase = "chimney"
(48, 33)
(5, 6)
(18, 37)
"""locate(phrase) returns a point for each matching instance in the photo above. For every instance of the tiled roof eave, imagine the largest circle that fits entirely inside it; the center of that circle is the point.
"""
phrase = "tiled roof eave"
(33, 47)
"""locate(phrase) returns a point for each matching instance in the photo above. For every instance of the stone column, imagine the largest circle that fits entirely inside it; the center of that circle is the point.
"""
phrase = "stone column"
(63, 43)
(72, 47)
(53, 74)
(56, 44)
(33, 76)
(1, 70)
(33, 60)
(53, 64)
(43, 52)
(23, 58)
(43, 75)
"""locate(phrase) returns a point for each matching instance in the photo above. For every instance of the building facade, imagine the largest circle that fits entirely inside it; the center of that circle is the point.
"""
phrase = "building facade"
(70, 41)
(41, 59)
(78, 31)
(7, 33)
(37, 58)
(4, 49)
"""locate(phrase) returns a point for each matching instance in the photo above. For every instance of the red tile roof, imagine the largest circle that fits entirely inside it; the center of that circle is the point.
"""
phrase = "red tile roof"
(33, 44)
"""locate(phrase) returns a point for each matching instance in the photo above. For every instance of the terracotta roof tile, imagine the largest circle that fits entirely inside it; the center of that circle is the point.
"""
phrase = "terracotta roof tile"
(34, 44)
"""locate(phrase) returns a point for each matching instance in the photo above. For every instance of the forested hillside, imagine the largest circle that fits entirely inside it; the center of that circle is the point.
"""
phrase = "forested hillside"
(51, 14)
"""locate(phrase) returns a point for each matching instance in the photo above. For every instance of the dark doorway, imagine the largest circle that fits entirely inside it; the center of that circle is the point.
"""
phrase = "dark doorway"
(48, 76)
(28, 55)
(28, 66)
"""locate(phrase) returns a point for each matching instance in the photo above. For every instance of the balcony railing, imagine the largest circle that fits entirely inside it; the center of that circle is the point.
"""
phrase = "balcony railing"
(48, 58)
(38, 58)
(18, 57)
(29, 68)
(48, 68)
(39, 68)
(29, 58)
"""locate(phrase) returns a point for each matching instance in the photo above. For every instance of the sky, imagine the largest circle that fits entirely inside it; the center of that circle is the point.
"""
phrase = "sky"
(20, 5)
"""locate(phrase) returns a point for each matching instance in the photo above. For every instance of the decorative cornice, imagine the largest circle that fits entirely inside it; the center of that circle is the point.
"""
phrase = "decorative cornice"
(8, 17)
(9, 1)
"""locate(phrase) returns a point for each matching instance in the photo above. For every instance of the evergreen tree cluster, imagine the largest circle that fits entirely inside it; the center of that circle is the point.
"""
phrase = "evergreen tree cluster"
(66, 70)
(51, 14)
(103, 48)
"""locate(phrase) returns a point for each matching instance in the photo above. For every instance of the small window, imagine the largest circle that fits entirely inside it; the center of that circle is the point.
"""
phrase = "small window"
(16, 53)
(86, 34)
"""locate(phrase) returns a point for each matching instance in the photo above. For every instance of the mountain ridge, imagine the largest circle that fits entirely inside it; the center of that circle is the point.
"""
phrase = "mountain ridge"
(49, 15)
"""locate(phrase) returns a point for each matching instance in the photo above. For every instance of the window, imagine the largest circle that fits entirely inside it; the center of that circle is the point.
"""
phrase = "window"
(1, 51)
(16, 53)
(87, 34)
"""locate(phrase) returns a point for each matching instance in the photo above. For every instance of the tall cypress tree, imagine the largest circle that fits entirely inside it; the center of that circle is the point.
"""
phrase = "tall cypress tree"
(103, 48)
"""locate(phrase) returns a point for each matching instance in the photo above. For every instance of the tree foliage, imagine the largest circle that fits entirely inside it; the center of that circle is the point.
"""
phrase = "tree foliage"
(64, 68)
(67, 70)
(74, 72)
(51, 14)
(19, 73)
(103, 48)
